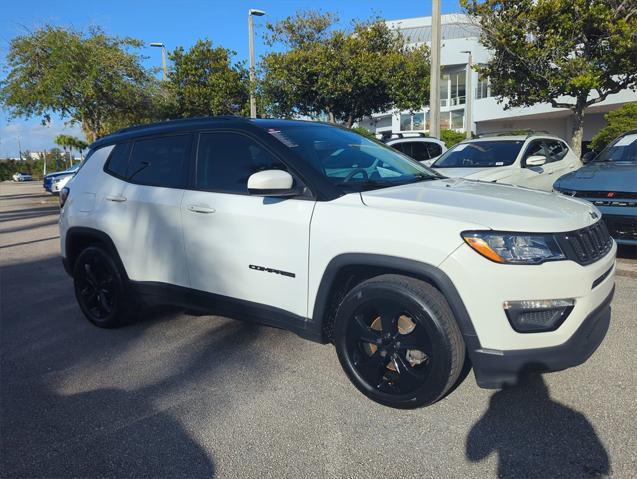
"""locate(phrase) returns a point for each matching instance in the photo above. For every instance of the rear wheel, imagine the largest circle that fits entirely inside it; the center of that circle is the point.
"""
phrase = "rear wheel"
(100, 289)
(398, 342)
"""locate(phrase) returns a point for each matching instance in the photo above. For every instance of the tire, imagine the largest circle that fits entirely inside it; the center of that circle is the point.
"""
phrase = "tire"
(398, 342)
(100, 289)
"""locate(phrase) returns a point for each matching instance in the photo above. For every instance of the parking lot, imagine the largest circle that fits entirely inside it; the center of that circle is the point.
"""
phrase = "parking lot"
(177, 395)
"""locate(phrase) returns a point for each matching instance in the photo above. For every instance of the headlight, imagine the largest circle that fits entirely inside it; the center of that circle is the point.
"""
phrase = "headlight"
(514, 248)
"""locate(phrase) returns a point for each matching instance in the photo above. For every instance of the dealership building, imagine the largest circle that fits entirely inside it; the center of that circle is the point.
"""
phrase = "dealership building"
(460, 35)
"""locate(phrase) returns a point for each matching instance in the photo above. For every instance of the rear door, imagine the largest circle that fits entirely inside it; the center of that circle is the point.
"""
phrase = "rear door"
(538, 177)
(561, 157)
(241, 246)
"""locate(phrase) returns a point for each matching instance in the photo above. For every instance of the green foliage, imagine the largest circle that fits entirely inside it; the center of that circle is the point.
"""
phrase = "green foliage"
(364, 132)
(619, 121)
(544, 50)
(203, 81)
(345, 74)
(71, 143)
(451, 137)
(54, 160)
(89, 78)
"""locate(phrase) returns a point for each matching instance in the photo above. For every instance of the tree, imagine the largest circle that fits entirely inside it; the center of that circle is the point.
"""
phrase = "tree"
(571, 54)
(204, 81)
(92, 79)
(618, 121)
(343, 74)
(68, 142)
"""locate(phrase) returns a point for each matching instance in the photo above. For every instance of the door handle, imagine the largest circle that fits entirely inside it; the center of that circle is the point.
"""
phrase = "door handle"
(200, 209)
(116, 198)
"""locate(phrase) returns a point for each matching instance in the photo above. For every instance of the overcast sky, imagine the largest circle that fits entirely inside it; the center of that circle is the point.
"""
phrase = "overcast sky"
(173, 22)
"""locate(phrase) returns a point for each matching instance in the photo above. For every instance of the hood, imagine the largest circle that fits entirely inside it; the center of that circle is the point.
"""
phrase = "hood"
(58, 173)
(601, 176)
(494, 206)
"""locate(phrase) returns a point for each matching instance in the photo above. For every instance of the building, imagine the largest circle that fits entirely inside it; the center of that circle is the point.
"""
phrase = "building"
(460, 34)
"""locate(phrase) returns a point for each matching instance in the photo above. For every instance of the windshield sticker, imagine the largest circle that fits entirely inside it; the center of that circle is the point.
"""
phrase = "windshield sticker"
(627, 140)
(279, 135)
(499, 163)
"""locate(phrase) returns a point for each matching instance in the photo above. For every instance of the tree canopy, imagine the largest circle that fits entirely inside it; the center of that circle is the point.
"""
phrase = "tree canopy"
(90, 78)
(344, 74)
(204, 81)
(569, 53)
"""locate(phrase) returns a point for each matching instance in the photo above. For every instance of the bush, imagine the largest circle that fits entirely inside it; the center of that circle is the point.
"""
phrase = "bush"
(364, 132)
(451, 137)
(619, 121)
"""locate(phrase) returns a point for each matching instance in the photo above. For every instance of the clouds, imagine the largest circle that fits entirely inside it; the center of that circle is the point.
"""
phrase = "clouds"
(32, 135)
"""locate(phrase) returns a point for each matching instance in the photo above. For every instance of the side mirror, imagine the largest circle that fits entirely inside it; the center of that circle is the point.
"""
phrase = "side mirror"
(536, 160)
(272, 183)
(588, 156)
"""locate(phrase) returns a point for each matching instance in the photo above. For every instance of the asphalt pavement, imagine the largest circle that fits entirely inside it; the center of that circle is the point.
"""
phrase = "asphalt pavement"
(176, 395)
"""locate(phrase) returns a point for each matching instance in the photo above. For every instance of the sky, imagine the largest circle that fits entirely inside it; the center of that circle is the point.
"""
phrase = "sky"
(175, 23)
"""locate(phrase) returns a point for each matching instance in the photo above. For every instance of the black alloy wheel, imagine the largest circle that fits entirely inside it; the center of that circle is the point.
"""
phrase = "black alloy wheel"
(99, 288)
(398, 342)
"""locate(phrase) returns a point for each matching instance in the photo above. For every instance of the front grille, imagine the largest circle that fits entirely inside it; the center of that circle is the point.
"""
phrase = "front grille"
(586, 245)
(606, 194)
(622, 227)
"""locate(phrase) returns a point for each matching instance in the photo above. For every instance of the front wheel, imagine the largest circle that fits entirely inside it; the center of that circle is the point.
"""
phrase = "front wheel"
(398, 342)
(100, 289)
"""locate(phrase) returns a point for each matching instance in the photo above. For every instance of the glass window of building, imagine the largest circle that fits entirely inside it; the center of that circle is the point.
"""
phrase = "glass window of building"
(418, 121)
(405, 122)
(457, 119)
(482, 90)
(444, 90)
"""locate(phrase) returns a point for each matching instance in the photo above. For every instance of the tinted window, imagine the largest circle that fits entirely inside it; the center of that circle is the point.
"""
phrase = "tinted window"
(419, 151)
(160, 161)
(557, 150)
(348, 160)
(434, 149)
(480, 154)
(226, 160)
(402, 147)
(623, 148)
(118, 160)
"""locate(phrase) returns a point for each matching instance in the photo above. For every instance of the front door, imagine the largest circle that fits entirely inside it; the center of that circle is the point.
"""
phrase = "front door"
(240, 246)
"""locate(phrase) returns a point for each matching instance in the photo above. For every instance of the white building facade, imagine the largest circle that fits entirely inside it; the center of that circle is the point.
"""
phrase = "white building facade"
(459, 34)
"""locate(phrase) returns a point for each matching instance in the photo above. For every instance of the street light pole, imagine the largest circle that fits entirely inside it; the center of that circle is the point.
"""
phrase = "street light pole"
(469, 95)
(253, 101)
(434, 81)
(163, 58)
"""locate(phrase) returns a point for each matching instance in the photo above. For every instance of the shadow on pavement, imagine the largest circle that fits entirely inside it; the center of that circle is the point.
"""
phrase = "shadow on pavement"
(534, 436)
(79, 401)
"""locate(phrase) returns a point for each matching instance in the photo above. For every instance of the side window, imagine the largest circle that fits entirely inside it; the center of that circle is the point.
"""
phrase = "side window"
(225, 161)
(419, 151)
(118, 160)
(536, 147)
(160, 161)
(434, 149)
(556, 149)
(403, 148)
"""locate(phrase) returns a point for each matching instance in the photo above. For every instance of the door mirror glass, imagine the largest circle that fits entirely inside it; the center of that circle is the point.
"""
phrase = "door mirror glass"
(271, 183)
(536, 160)
(588, 156)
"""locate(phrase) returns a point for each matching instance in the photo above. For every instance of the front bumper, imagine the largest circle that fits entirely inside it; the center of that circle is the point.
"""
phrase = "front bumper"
(495, 369)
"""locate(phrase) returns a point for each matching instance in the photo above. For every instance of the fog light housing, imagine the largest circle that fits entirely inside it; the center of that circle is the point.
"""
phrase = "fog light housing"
(535, 316)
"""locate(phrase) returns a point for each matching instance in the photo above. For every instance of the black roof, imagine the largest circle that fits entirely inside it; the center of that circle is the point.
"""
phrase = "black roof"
(195, 123)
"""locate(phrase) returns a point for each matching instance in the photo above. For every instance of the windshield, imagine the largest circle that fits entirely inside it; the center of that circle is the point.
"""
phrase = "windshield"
(622, 149)
(480, 154)
(350, 161)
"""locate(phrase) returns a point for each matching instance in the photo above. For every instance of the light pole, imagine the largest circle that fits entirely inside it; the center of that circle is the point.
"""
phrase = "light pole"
(253, 101)
(163, 58)
(434, 82)
(469, 95)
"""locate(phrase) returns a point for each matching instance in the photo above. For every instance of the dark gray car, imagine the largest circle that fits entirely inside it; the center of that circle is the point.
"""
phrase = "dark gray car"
(610, 183)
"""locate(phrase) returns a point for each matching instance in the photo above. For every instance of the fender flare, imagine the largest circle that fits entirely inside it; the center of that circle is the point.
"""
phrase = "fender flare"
(100, 237)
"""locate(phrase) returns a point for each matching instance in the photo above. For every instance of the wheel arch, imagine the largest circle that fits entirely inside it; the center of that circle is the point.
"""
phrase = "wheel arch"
(345, 271)
(79, 237)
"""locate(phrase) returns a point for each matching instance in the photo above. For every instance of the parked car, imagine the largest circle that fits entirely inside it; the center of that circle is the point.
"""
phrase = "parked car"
(417, 146)
(610, 183)
(47, 182)
(22, 177)
(338, 238)
(60, 182)
(533, 161)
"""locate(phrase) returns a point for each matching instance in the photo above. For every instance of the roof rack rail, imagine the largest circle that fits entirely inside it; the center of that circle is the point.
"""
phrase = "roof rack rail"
(387, 135)
(520, 132)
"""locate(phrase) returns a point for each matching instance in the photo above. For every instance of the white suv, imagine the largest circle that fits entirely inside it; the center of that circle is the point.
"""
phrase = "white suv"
(534, 161)
(417, 146)
(315, 229)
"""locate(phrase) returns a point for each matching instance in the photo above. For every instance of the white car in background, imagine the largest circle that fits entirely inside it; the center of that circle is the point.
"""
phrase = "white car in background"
(534, 160)
(22, 177)
(417, 146)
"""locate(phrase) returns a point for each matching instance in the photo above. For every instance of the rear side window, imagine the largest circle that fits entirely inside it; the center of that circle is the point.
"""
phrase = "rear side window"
(557, 150)
(118, 160)
(434, 149)
(225, 161)
(160, 161)
(535, 148)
